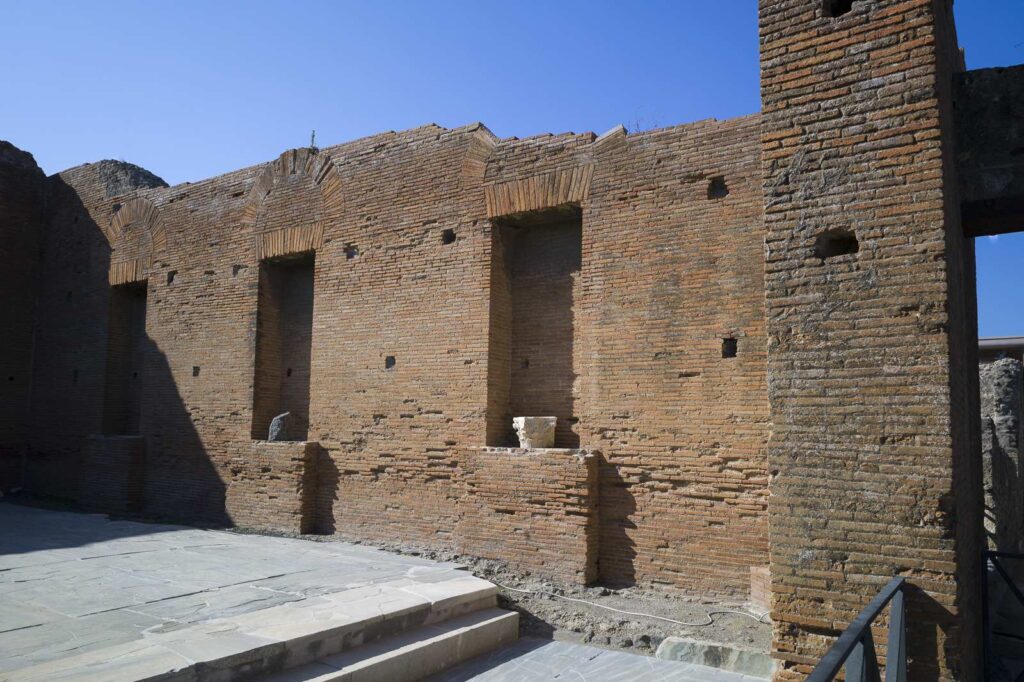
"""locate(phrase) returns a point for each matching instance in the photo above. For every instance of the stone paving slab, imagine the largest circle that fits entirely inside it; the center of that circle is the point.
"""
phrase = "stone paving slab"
(81, 585)
(536, 660)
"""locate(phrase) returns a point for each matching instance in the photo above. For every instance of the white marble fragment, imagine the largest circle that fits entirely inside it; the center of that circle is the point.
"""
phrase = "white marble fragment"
(535, 432)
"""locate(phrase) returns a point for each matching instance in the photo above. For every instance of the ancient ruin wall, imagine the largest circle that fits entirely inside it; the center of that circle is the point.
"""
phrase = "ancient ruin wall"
(1002, 395)
(870, 317)
(21, 225)
(671, 267)
(71, 351)
(410, 343)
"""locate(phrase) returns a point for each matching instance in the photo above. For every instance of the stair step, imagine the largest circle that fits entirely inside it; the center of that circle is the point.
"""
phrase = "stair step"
(278, 638)
(412, 655)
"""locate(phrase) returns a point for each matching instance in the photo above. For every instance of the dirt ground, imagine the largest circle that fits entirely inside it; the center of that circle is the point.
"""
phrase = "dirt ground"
(544, 615)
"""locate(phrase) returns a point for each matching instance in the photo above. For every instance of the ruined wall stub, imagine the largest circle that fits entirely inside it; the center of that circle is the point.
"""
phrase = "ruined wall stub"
(1002, 391)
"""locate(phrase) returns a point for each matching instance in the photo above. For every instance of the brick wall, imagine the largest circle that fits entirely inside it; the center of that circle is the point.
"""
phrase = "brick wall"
(112, 472)
(873, 448)
(283, 346)
(543, 270)
(761, 588)
(126, 347)
(414, 331)
(535, 509)
(21, 218)
(667, 272)
(273, 486)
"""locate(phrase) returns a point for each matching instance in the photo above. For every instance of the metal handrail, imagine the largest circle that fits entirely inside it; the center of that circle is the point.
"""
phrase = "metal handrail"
(856, 648)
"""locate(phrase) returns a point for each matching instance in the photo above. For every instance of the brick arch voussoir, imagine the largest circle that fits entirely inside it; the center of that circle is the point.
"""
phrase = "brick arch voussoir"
(307, 162)
(142, 212)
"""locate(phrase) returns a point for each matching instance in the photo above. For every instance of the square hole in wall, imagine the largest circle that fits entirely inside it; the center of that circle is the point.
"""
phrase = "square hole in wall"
(834, 243)
(717, 189)
(729, 348)
(389, 362)
(448, 237)
(837, 8)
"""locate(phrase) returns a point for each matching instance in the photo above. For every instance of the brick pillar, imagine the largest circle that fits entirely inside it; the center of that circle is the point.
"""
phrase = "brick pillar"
(871, 330)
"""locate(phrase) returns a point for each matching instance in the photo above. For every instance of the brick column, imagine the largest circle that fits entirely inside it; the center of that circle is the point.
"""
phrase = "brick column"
(871, 330)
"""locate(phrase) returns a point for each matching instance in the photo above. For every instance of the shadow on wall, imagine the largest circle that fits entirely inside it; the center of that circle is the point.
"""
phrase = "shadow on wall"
(931, 619)
(616, 549)
(1002, 394)
(181, 480)
(328, 483)
(90, 364)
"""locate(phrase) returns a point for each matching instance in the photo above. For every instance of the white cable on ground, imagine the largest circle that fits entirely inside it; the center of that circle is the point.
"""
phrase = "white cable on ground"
(759, 619)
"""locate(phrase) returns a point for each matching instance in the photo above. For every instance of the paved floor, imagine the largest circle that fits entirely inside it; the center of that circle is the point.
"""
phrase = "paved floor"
(74, 583)
(535, 660)
(80, 585)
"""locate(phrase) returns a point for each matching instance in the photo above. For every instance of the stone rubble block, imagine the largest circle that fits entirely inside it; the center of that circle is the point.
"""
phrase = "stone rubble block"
(535, 432)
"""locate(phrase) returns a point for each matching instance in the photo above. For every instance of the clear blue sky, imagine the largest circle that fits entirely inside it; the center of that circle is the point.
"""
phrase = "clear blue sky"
(191, 89)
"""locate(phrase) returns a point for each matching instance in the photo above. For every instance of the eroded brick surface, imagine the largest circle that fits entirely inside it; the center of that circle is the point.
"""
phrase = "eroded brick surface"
(613, 318)
(535, 509)
(871, 345)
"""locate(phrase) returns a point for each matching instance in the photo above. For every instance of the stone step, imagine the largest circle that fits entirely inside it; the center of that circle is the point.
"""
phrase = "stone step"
(412, 655)
(735, 659)
(279, 638)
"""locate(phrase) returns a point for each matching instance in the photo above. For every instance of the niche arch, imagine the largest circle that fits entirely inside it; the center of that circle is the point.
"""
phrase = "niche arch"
(137, 236)
(292, 202)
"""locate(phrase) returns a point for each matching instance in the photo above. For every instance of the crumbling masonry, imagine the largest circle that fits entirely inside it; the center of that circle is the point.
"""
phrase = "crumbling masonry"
(758, 336)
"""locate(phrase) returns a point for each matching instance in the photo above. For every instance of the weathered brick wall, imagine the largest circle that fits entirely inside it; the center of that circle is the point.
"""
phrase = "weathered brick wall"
(112, 473)
(544, 277)
(667, 272)
(400, 336)
(126, 348)
(412, 338)
(21, 226)
(273, 486)
(870, 351)
(761, 588)
(70, 353)
(283, 347)
(535, 509)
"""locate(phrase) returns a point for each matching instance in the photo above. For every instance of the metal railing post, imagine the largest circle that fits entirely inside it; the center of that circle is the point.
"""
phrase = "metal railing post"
(896, 644)
(855, 648)
(855, 668)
